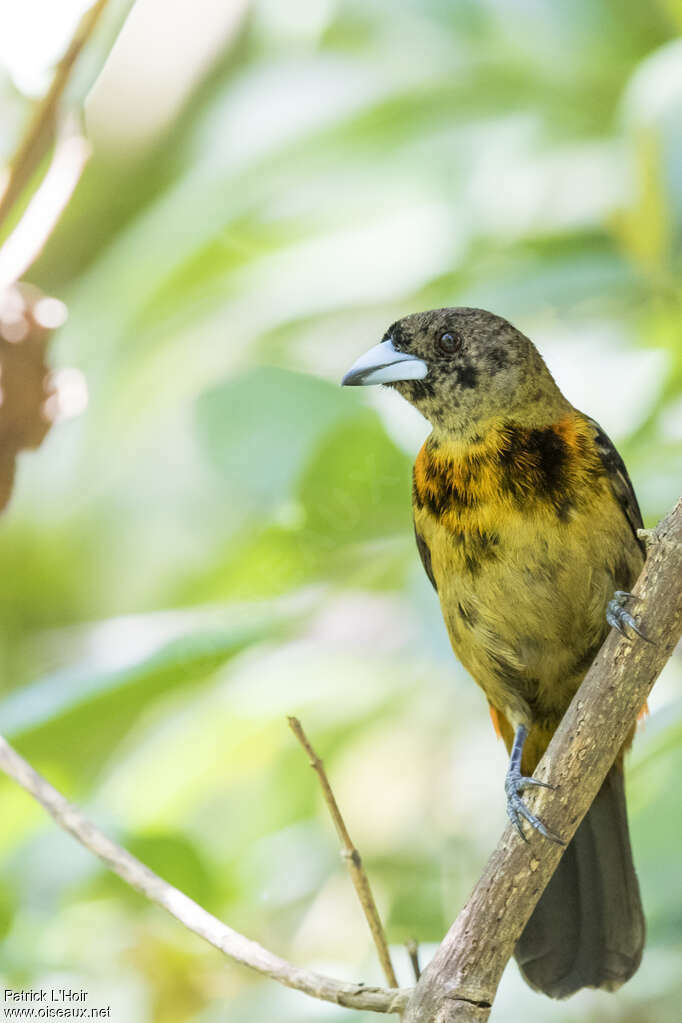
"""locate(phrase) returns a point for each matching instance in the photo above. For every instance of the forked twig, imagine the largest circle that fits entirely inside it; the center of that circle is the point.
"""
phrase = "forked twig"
(351, 855)
(184, 909)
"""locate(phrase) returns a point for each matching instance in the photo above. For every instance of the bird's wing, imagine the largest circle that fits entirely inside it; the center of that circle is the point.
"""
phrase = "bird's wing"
(425, 555)
(621, 484)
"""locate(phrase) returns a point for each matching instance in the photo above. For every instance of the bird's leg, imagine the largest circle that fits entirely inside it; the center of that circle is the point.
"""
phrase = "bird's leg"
(620, 618)
(515, 783)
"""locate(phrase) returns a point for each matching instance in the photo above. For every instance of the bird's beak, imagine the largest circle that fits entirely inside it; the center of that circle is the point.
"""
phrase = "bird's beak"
(384, 364)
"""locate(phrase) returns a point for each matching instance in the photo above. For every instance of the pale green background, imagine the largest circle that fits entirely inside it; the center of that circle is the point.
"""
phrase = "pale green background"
(224, 536)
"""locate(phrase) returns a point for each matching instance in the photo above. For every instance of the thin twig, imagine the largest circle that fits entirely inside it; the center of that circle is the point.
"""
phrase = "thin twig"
(25, 243)
(351, 855)
(41, 129)
(413, 952)
(184, 909)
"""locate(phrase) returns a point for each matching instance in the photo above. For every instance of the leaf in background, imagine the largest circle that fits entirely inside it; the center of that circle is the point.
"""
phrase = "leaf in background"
(78, 716)
(8, 905)
(259, 429)
(175, 858)
(644, 228)
(282, 437)
(254, 564)
(357, 485)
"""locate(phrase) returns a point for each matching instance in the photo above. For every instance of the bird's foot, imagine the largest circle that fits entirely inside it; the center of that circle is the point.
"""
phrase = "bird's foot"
(514, 784)
(620, 618)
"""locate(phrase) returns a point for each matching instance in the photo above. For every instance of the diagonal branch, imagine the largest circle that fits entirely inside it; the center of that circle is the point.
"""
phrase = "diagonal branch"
(352, 856)
(184, 909)
(460, 983)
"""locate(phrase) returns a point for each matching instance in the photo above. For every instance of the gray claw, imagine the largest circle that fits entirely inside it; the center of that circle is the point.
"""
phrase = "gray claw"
(619, 618)
(536, 781)
(514, 815)
(515, 783)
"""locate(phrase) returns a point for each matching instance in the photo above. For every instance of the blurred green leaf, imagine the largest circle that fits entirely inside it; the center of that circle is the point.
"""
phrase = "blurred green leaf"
(175, 858)
(356, 485)
(79, 716)
(8, 907)
(260, 427)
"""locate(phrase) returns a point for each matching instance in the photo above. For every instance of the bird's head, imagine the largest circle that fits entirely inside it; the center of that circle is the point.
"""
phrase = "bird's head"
(462, 368)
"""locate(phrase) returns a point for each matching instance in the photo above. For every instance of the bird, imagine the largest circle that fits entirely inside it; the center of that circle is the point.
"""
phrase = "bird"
(526, 523)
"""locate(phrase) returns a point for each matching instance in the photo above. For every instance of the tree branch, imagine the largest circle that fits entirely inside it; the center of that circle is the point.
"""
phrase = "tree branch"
(184, 909)
(351, 855)
(460, 983)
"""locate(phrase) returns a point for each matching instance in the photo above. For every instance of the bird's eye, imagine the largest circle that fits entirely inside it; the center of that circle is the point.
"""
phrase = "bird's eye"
(449, 343)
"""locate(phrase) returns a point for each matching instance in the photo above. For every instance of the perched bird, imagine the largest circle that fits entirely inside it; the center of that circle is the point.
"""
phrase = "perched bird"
(526, 523)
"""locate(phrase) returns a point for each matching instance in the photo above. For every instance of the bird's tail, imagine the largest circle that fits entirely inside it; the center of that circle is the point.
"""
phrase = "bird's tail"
(587, 930)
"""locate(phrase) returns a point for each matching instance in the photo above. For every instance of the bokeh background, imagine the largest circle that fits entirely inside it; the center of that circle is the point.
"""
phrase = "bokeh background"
(222, 536)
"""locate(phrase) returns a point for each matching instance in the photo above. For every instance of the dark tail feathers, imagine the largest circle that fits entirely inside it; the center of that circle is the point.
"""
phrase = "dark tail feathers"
(587, 930)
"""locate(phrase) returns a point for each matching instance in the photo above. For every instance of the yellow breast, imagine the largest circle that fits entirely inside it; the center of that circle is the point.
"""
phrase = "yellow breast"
(526, 544)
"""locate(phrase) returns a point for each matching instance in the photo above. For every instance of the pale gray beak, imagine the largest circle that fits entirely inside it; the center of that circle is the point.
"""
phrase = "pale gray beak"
(384, 364)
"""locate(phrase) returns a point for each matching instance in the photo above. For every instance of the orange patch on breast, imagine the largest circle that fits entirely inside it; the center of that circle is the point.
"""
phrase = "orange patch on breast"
(566, 429)
(420, 471)
(578, 437)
